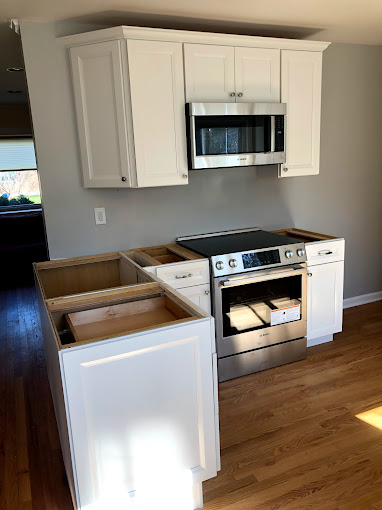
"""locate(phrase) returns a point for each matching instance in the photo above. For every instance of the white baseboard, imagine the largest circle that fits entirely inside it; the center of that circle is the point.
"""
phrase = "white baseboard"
(362, 300)
(311, 342)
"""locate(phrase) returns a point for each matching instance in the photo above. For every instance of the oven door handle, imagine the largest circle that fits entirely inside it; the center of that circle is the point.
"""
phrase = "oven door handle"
(234, 282)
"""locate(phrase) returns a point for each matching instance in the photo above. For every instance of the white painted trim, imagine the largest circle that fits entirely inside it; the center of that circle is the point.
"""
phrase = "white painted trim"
(362, 300)
(320, 340)
(186, 36)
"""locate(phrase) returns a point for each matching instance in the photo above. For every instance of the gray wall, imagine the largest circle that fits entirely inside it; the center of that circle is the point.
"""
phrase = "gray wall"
(343, 200)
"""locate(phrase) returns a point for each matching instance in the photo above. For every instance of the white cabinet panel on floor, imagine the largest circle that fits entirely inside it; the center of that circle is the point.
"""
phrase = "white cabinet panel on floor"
(129, 99)
(257, 75)
(100, 105)
(325, 299)
(157, 102)
(209, 73)
(301, 91)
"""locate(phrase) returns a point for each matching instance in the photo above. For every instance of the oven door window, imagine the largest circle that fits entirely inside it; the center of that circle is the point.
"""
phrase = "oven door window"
(253, 306)
(232, 134)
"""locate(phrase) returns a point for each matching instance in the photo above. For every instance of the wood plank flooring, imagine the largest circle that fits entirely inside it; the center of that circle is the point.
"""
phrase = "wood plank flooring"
(290, 436)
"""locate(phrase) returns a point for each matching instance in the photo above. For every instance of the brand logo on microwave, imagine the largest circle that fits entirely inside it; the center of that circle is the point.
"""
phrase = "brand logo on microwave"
(265, 334)
(242, 159)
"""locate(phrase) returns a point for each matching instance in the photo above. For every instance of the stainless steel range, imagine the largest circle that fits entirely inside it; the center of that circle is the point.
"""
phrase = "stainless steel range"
(259, 298)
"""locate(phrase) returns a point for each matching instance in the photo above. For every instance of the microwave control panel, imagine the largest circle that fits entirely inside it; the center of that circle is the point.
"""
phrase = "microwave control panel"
(279, 133)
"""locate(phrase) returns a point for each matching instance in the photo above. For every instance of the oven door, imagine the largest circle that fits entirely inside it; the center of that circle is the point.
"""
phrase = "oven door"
(260, 308)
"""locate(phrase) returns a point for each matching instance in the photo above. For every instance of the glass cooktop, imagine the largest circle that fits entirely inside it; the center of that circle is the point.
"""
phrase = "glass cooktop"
(236, 242)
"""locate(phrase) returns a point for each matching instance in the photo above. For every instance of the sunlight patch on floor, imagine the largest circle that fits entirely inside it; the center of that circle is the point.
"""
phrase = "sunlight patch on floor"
(372, 417)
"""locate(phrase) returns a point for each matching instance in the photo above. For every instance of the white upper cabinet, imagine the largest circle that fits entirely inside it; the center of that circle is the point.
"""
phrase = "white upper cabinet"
(231, 74)
(100, 105)
(257, 75)
(301, 91)
(158, 114)
(210, 73)
(130, 113)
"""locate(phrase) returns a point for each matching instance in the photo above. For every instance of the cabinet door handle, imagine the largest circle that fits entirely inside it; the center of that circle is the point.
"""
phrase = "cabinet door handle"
(285, 169)
(207, 292)
(232, 94)
(325, 252)
(310, 275)
(123, 179)
(240, 94)
(180, 276)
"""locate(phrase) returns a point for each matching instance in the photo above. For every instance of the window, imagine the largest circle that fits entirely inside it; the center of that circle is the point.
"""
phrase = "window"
(19, 185)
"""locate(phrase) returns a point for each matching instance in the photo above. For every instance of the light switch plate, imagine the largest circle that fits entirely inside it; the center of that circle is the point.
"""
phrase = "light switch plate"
(100, 215)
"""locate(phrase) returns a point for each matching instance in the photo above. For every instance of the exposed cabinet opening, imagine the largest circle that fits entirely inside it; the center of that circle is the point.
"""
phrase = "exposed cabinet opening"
(80, 319)
(86, 274)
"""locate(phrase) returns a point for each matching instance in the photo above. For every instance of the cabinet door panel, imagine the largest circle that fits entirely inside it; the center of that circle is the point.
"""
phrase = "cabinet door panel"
(301, 91)
(141, 411)
(325, 299)
(257, 73)
(200, 295)
(100, 108)
(157, 102)
(210, 73)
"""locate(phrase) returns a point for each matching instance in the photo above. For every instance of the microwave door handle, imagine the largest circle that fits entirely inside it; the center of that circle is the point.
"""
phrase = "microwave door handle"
(273, 133)
(234, 282)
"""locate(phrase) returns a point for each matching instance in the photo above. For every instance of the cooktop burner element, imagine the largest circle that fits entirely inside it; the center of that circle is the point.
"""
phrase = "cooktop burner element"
(238, 251)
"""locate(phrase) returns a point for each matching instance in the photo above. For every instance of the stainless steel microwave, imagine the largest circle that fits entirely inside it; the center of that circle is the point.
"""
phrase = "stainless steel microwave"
(235, 134)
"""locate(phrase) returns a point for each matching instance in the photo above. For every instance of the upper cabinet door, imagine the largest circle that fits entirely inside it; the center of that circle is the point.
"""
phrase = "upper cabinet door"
(257, 73)
(158, 114)
(100, 108)
(210, 73)
(301, 91)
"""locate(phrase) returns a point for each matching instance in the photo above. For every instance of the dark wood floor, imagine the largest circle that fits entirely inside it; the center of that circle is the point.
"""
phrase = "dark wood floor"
(290, 436)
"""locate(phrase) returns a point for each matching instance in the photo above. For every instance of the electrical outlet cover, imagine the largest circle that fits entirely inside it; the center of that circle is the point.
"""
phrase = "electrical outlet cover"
(100, 215)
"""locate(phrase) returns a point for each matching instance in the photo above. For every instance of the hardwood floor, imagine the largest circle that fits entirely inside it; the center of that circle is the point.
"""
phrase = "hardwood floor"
(290, 436)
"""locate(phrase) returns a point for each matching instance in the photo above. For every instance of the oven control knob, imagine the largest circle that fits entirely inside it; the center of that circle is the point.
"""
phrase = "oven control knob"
(300, 252)
(233, 263)
(219, 265)
(289, 254)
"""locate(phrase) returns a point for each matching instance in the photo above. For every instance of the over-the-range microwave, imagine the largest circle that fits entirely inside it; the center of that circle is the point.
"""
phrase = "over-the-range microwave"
(235, 134)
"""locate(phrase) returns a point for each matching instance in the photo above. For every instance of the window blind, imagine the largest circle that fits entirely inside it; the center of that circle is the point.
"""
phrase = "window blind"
(17, 154)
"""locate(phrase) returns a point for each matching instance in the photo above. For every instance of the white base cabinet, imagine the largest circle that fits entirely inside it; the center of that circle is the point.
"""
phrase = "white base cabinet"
(132, 371)
(325, 299)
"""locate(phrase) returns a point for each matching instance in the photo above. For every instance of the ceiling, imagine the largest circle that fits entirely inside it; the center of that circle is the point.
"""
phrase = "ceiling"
(356, 21)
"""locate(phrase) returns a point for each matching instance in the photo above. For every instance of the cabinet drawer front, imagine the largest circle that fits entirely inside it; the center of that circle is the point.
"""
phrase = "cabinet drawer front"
(185, 274)
(325, 251)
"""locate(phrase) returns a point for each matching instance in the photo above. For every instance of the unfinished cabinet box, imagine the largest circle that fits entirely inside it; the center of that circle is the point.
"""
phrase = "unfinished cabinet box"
(183, 270)
(133, 385)
(325, 262)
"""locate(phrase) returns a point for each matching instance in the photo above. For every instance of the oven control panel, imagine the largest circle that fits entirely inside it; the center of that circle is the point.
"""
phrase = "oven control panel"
(234, 263)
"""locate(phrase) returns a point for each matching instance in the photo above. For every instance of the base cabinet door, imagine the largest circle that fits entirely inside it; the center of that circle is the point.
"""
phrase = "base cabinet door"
(325, 299)
(257, 75)
(157, 105)
(200, 295)
(301, 91)
(141, 418)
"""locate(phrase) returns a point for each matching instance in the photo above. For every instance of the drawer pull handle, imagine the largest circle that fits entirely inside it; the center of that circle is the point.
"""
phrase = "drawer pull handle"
(180, 276)
(325, 252)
